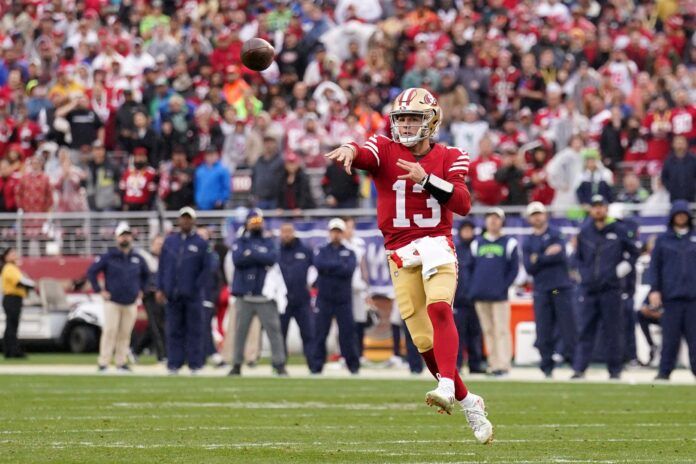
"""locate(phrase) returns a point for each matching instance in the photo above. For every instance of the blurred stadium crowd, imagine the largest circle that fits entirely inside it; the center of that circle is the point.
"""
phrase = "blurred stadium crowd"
(109, 105)
(132, 104)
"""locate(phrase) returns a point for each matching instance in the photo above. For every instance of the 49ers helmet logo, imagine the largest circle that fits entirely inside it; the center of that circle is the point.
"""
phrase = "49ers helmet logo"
(428, 99)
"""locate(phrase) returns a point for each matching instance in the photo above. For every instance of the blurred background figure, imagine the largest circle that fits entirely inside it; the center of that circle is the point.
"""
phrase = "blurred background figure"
(14, 290)
(335, 265)
(183, 275)
(295, 263)
(673, 287)
(126, 277)
(255, 258)
(494, 253)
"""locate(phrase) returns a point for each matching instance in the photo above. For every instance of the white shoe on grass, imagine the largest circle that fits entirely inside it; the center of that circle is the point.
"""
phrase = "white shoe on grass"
(474, 410)
(442, 396)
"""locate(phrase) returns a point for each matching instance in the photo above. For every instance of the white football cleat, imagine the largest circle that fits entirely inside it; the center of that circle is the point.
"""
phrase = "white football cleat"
(442, 396)
(474, 409)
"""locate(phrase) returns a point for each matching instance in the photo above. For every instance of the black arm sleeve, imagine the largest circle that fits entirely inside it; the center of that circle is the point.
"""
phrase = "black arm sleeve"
(440, 189)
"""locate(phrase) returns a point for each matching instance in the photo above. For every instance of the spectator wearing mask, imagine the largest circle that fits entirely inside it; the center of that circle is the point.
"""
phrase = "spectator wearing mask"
(255, 256)
(266, 175)
(212, 183)
(544, 253)
(494, 254)
(295, 263)
(468, 325)
(296, 194)
(341, 189)
(605, 255)
(14, 290)
(126, 277)
(103, 178)
(672, 277)
(596, 179)
(182, 276)
(679, 171)
(335, 264)
(176, 181)
(138, 184)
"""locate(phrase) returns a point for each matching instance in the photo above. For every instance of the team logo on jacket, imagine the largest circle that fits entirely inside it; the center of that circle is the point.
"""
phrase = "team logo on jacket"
(345, 253)
(300, 256)
(193, 248)
(612, 236)
(135, 260)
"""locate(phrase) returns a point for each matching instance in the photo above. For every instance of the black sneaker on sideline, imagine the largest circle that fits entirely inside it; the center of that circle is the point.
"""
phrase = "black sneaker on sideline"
(281, 371)
(236, 370)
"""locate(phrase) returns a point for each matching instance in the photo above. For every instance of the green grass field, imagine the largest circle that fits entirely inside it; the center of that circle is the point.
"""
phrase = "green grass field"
(92, 419)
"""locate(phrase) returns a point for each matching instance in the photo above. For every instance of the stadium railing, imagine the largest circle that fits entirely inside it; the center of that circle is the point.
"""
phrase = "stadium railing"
(89, 233)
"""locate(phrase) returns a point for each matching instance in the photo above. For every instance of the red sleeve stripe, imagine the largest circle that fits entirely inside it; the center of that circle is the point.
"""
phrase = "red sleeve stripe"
(459, 168)
(460, 163)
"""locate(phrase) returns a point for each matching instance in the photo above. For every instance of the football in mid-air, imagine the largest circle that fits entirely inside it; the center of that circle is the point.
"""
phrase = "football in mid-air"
(257, 54)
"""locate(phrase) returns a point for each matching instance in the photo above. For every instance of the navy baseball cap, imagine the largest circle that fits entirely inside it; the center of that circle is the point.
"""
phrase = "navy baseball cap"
(598, 200)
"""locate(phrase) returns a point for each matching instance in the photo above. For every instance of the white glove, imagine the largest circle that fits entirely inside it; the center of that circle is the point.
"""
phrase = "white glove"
(623, 269)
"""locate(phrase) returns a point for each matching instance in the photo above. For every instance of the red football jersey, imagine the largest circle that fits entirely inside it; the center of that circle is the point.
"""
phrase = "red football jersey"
(684, 121)
(405, 211)
(138, 185)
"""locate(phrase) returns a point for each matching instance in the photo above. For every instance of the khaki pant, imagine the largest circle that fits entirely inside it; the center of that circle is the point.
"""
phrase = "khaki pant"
(116, 334)
(252, 348)
(495, 323)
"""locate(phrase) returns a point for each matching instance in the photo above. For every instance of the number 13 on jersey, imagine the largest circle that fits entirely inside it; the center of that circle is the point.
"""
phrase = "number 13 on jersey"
(421, 221)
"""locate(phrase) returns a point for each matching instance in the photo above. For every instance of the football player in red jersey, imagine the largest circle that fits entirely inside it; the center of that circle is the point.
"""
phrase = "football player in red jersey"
(420, 185)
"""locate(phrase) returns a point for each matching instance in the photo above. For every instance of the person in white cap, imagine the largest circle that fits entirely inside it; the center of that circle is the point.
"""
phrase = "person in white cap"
(545, 259)
(335, 265)
(126, 276)
(494, 254)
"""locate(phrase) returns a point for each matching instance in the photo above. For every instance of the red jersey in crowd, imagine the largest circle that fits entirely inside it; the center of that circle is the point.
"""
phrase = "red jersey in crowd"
(483, 184)
(683, 121)
(658, 127)
(8, 190)
(405, 211)
(34, 193)
(6, 131)
(138, 186)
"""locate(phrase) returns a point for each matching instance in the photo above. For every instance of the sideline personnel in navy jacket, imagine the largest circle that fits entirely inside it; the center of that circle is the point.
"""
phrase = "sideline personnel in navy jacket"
(335, 264)
(295, 261)
(465, 317)
(125, 279)
(605, 255)
(254, 254)
(182, 277)
(672, 277)
(494, 267)
(546, 261)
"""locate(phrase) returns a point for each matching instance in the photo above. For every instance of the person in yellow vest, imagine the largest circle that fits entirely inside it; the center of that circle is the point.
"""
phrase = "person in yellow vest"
(14, 289)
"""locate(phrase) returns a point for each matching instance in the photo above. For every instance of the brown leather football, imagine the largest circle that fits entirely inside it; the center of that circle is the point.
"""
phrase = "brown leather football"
(257, 54)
